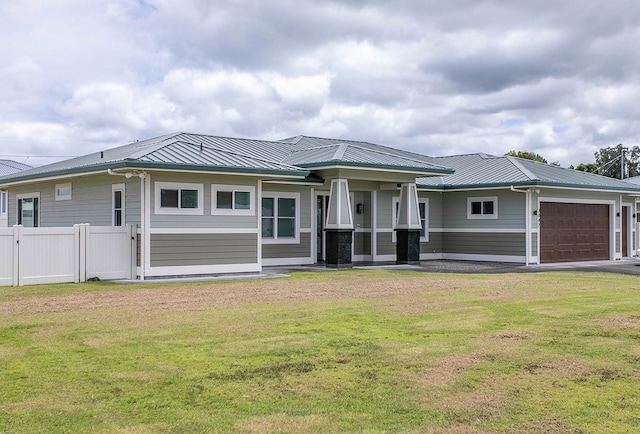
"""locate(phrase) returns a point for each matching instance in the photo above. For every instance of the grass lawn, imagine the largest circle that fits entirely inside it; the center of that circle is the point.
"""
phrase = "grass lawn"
(336, 351)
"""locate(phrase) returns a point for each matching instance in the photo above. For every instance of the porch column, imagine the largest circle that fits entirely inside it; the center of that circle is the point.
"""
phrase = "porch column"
(339, 226)
(408, 226)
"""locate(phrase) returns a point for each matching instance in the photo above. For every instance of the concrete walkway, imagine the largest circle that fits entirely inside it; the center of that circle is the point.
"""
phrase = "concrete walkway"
(624, 266)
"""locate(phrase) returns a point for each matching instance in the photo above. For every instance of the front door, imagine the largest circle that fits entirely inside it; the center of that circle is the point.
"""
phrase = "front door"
(625, 231)
(322, 203)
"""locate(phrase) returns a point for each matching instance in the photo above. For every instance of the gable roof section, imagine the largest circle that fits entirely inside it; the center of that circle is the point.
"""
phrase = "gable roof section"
(315, 152)
(486, 171)
(8, 167)
(178, 152)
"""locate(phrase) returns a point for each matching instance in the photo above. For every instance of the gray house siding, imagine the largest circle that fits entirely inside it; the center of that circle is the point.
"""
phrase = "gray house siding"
(510, 244)
(510, 210)
(203, 249)
(90, 202)
(206, 220)
(384, 245)
(434, 245)
(362, 243)
(280, 251)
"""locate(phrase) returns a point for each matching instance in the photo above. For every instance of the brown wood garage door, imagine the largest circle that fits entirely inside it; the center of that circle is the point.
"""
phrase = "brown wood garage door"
(573, 232)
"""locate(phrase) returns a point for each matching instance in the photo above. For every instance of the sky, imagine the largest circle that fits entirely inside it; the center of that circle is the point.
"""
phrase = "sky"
(437, 77)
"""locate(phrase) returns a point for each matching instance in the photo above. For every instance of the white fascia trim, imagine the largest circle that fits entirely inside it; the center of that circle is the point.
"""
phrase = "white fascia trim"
(222, 173)
(202, 269)
(52, 178)
(385, 258)
(286, 182)
(431, 256)
(480, 230)
(377, 169)
(576, 200)
(287, 261)
(486, 258)
(203, 230)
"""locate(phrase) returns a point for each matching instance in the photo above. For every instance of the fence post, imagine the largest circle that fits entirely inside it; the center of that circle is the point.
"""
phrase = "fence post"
(17, 238)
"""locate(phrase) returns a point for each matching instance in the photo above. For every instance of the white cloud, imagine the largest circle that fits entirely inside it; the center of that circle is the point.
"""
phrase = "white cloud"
(434, 77)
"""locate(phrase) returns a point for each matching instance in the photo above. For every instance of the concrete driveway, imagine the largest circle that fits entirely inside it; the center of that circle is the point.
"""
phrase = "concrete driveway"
(624, 266)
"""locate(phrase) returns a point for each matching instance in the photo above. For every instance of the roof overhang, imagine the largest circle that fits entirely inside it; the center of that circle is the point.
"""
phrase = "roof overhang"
(142, 165)
(529, 184)
(416, 171)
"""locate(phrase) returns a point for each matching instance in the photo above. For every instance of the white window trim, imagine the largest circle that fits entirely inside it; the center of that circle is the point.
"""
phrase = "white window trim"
(114, 188)
(63, 196)
(215, 188)
(4, 204)
(283, 195)
(28, 196)
(178, 186)
(493, 216)
(394, 205)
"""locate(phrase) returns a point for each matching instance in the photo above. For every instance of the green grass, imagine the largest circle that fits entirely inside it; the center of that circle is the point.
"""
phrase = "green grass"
(343, 351)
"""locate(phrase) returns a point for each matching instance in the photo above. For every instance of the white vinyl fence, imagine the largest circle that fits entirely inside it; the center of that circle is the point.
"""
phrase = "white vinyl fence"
(71, 254)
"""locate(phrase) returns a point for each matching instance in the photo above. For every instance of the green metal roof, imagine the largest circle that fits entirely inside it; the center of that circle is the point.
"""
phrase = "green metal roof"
(177, 152)
(486, 171)
(312, 152)
(290, 157)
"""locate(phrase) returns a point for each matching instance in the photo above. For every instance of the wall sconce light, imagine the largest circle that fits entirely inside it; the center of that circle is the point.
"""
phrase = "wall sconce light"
(535, 212)
(634, 216)
(618, 214)
(359, 208)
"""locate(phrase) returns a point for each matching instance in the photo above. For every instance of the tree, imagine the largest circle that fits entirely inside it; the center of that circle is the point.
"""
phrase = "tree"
(586, 167)
(527, 155)
(609, 161)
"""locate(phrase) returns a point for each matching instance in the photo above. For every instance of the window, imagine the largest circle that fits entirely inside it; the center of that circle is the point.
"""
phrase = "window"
(117, 201)
(178, 198)
(423, 206)
(4, 204)
(63, 191)
(280, 216)
(28, 210)
(232, 199)
(482, 207)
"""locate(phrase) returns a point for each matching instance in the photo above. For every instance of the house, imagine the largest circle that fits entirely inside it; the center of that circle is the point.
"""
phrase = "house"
(206, 204)
(8, 167)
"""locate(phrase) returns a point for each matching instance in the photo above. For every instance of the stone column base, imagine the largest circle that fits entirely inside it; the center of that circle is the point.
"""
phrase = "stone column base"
(338, 253)
(408, 246)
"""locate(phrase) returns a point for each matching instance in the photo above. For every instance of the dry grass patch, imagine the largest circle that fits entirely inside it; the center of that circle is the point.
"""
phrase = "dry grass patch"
(282, 423)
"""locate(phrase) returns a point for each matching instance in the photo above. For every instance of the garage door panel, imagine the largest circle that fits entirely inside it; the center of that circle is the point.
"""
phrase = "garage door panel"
(573, 232)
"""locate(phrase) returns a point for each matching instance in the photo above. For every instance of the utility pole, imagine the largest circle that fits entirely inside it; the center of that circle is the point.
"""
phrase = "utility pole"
(622, 163)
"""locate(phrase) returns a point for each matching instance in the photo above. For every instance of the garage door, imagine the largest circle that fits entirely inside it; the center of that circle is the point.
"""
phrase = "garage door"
(573, 232)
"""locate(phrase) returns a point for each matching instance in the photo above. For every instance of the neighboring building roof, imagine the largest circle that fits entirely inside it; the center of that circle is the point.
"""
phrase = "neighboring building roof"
(483, 171)
(633, 180)
(7, 167)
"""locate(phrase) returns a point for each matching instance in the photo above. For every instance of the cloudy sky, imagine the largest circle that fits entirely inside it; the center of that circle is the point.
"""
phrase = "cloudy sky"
(559, 78)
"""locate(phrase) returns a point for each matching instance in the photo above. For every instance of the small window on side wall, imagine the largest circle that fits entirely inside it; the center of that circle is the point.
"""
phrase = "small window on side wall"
(482, 207)
(4, 204)
(63, 191)
(178, 198)
(117, 201)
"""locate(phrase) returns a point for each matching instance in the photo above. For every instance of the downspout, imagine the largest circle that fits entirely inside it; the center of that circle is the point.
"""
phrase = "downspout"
(527, 222)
